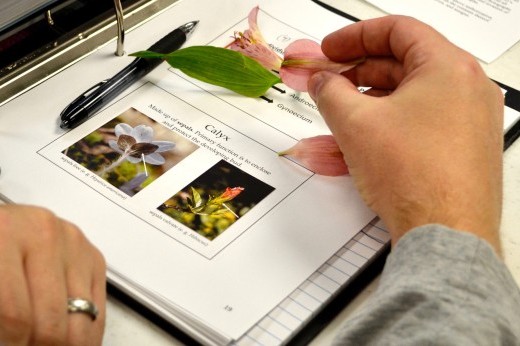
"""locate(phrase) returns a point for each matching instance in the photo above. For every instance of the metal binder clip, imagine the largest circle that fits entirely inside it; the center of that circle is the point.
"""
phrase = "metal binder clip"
(120, 50)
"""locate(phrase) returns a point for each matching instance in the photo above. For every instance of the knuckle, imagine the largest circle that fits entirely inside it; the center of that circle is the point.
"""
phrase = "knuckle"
(468, 69)
(45, 217)
(45, 222)
(76, 239)
(75, 233)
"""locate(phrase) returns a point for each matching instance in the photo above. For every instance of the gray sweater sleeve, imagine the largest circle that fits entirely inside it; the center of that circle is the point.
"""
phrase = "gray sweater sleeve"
(439, 287)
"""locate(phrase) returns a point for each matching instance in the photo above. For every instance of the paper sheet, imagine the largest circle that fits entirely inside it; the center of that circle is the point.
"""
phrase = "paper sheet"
(485, 28)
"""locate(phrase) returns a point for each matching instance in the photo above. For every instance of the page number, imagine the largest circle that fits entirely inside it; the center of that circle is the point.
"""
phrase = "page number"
(228, 308)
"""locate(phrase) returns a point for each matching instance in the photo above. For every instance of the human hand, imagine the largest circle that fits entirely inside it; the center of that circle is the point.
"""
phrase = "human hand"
(43, 261)
(425, 144)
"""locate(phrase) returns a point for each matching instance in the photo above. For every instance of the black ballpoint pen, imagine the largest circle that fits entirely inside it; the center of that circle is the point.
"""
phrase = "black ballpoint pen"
(100, 94)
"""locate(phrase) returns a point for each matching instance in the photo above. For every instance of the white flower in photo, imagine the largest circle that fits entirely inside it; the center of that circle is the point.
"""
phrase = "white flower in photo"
(136, 144)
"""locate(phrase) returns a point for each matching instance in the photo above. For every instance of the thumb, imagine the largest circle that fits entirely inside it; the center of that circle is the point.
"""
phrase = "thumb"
(336, 97)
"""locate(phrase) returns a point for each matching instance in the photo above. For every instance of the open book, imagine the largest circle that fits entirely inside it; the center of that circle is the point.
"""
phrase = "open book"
(252, 270)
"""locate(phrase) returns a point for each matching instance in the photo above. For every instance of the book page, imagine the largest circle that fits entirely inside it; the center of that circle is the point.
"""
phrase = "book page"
(206, 155)
(485, 28)
(220, 266)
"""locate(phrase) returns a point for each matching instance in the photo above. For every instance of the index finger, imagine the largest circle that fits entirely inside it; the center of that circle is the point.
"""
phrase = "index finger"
(395, 36)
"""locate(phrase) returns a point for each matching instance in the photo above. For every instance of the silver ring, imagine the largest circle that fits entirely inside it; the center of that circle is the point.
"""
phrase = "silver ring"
(83, 306)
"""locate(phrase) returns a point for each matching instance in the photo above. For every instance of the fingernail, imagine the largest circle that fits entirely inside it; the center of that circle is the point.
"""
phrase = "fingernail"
(314, 85)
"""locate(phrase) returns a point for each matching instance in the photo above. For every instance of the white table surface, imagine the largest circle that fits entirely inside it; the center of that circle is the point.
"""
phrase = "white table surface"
(126, 327)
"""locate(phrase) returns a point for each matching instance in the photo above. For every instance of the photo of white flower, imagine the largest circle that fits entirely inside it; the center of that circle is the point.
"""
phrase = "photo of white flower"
(136, 144)
(130, 151)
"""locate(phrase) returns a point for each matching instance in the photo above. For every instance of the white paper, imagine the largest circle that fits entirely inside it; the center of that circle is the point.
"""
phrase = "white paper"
(485, 28)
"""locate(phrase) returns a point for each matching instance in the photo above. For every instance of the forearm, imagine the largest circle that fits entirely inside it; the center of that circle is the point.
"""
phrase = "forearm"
(441, 287)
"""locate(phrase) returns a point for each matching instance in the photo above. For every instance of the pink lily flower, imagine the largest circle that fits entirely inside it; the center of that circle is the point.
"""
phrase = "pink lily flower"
(251, 43)
(303, 58)
(320, 154)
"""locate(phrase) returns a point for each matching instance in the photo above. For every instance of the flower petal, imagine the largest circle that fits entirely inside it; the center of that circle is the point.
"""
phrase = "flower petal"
(252, 20)
(154, 159)
(304, 48)
(227, 195)
(123, 129)
(295, 79)
(142, 133)
(304, 57)
(163, 146)
(139, 149)
(320, 154)
(133, 159)
(125, 142)
(293, 76)
(251, 43)
(113, 145)
(231, 193)
(264, 55)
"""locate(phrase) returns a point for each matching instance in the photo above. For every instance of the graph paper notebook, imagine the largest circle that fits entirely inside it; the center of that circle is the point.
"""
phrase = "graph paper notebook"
(256, 273)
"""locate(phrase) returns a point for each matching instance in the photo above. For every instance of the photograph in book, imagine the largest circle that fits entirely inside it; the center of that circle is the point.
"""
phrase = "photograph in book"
(216, 199)
(131, 151)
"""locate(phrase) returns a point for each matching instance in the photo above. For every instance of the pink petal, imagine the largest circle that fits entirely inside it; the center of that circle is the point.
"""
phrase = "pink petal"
(302, 59)
(264, 55)
(252, 19)
(301, 49)
(251, 43)
(320, 154)
(295, 79)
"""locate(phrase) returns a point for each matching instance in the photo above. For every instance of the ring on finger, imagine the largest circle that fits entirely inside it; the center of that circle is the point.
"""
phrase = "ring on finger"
(82, 306)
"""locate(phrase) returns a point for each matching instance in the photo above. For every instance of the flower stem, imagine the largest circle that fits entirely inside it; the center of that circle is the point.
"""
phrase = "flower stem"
(114, 164)
(232, 212)
(144, 164)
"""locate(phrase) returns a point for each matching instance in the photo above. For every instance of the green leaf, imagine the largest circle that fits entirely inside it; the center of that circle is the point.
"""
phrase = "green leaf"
(222, 67)
(147, 54)
(196, 199)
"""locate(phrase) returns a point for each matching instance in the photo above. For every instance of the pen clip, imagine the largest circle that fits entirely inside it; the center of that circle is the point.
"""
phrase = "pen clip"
(78, 100)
